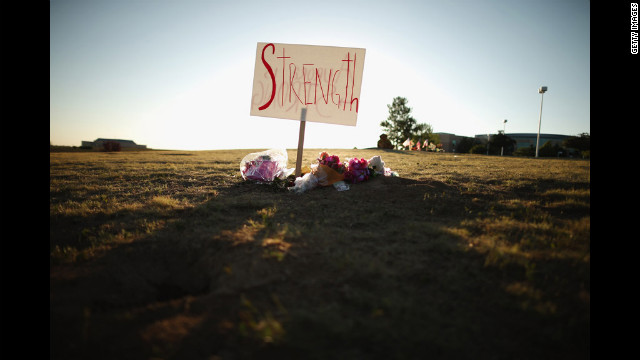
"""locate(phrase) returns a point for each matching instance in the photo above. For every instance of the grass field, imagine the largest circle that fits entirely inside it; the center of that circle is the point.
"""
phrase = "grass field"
(171, 255)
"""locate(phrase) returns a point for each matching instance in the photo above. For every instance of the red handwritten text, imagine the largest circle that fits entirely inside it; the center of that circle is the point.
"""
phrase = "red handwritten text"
(305, 77)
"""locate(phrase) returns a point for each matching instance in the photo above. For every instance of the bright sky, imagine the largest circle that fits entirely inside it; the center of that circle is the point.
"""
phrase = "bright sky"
(178, 74)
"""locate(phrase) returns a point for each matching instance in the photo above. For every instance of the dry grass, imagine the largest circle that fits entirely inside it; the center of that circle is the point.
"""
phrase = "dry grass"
(170, 255)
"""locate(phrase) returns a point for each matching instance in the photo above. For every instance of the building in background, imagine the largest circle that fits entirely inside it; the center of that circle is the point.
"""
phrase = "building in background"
(449, 141)
(125, 144)
(524, 140)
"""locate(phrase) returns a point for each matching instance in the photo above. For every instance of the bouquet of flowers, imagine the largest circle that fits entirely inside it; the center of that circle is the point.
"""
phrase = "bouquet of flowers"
(331, 161)
(261, 169)
(270, 165)
(358, 171)
(329, 169)
(265, 166)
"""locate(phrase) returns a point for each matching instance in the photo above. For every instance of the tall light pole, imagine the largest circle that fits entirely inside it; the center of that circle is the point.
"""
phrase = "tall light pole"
(542, 90)
(488, 139)
(504, 127)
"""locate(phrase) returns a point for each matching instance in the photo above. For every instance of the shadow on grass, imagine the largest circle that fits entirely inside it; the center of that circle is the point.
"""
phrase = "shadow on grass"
(371, 273)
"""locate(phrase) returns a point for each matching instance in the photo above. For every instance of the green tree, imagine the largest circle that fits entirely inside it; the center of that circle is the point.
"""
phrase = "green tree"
(549, 149)
(581, 143)
(501, 142)
(529, 151)
(465, 144)
(478, 149)
(434, 138)
(421, 132)
(400, 125)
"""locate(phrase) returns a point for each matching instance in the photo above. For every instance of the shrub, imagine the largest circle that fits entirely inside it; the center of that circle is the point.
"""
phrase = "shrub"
(478, 149)
(465, 145)
(549, 150)
(525, 151)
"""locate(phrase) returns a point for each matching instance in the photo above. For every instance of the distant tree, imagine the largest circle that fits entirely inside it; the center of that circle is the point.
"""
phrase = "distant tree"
(422, 132)
(400, 125)
(111, 146)
(478, 149)
(525, 151)
(549, 149)
(465, 144)
(501, 142)
(580, 143)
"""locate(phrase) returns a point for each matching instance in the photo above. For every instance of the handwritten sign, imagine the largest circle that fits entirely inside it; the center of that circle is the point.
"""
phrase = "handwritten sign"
(324, 80)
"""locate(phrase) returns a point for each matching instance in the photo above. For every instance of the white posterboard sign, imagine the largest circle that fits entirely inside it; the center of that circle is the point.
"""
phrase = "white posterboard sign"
(324, 80)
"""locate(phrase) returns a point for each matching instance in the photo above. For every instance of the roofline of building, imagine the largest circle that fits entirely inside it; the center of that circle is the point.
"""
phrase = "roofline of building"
(103, 139)
(531, 134)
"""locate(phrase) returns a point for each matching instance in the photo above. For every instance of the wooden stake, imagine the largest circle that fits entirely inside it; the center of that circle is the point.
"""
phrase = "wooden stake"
(303, 121)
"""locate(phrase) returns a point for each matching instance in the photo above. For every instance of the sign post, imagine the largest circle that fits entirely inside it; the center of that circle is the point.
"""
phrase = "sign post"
(303, 121)
(307, 83)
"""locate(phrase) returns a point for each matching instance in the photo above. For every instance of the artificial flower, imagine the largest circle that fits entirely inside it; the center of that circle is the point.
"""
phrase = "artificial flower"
(332, 161)
(357, 171)
(270, 165)
(260, 170)
(265, 166)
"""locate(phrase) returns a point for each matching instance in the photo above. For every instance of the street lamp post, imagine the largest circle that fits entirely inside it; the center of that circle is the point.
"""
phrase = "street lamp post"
(504, 127)
(488, 139)
(541, 90)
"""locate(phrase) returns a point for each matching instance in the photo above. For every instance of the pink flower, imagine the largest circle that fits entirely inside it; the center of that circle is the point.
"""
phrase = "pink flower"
(357, 171)
(322, 156)
(332, 161)
(260, 170)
